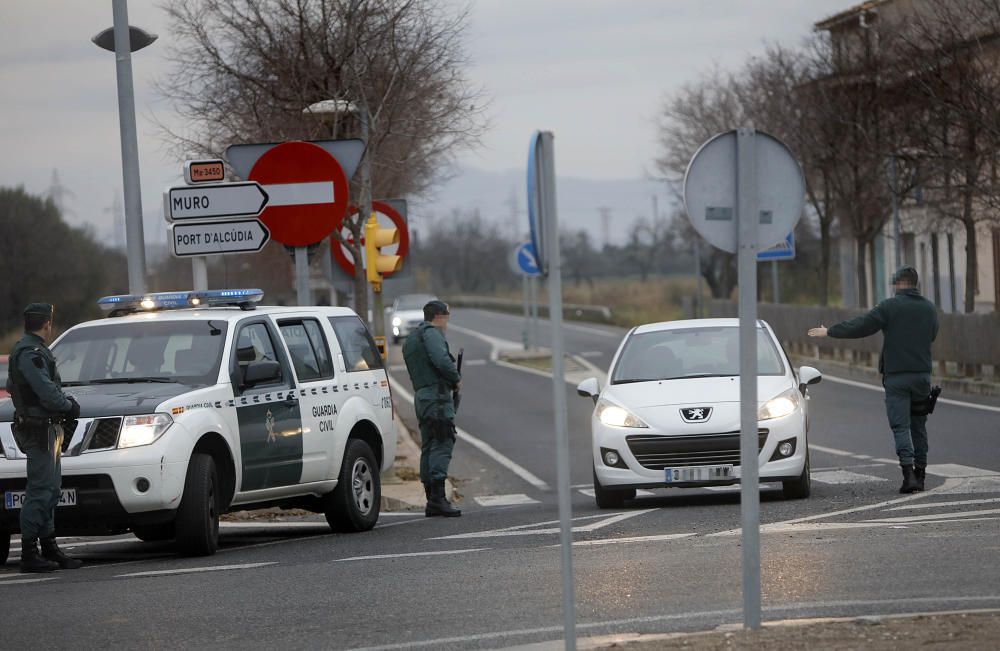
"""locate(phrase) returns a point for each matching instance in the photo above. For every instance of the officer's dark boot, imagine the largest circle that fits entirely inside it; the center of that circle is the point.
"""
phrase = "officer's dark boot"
(920, 474)
(910, 484)
(31, 561)
(429, 509)
(51, 551)
(439, 504)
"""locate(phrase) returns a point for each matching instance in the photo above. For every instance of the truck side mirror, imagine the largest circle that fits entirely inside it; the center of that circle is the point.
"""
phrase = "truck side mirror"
(262, 372)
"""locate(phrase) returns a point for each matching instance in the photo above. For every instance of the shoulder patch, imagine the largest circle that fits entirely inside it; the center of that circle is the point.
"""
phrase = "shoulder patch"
(38, 361)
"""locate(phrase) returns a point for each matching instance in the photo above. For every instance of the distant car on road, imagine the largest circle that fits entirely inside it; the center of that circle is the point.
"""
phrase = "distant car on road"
(670, 416)
(406, 313)
(3, 377)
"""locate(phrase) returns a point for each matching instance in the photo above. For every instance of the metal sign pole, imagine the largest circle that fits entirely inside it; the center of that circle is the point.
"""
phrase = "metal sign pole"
(526, 335)
(697, 277)
(302, 276)
(747, 216)
(550, 219)
(533, 294)
(199, 273)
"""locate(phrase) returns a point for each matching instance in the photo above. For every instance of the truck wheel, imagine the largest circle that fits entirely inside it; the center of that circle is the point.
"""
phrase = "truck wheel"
(197, 523)
(354, 505)
(154, 532)
(4, 546)
(608, 498)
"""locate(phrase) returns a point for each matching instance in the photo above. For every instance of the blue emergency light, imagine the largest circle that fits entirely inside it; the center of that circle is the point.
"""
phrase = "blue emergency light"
(242, 298)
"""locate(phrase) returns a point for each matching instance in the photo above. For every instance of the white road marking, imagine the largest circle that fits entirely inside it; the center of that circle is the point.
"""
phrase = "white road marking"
(814, 527)
(273, 525)
(504, 500)
(935, 505)
(946, 401)
(89, 543)
(592, 353)
(542, 528)
(589, 492)
(482, 446)
(193, 570)
(852, 455)
(18, 581)
(630, 539)
(376, 557)
(972, 485)
(476, 362)
(844, 477)
(959, 471)
(940, 516)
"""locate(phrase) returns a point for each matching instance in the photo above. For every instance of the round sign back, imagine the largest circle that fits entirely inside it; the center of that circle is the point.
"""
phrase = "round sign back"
(710, 190)
(382, 210)
(307, 192)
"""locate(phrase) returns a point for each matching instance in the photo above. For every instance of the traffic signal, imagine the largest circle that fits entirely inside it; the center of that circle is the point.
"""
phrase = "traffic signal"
(376, 262)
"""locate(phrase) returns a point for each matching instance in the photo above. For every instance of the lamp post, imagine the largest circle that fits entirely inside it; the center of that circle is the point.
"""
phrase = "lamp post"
(123, 39)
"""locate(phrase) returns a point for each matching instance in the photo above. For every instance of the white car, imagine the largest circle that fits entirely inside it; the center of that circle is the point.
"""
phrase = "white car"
(198, 403)
(406, 313)
(670, 415)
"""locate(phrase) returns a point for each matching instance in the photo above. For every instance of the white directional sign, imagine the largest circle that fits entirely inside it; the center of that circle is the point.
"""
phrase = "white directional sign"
(212, 238)
(245, 199)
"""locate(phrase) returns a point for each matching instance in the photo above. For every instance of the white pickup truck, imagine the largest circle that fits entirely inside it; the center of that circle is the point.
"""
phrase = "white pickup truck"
(198, 403)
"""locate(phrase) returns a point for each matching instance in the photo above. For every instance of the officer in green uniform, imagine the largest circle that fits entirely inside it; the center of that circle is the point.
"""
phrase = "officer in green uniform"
(909, 325)
(41, 410)
(435, 377)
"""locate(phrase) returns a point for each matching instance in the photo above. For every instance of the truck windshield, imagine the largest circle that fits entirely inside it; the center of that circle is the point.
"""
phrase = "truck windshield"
(186, 352)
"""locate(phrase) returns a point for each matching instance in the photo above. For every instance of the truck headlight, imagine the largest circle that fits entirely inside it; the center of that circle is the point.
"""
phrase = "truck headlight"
(780, 406)
(396, 321)
(143, 430)
(616, 416)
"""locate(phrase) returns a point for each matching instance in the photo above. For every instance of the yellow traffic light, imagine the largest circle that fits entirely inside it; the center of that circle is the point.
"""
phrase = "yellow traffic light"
(376, 262)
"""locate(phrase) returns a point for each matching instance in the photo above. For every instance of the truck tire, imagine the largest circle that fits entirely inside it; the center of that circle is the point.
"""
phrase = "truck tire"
(354, 505)
(197, 523)
(154, 532)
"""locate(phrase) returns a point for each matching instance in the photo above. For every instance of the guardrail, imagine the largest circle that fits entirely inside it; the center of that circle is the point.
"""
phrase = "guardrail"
(597, 313)
(967, 344)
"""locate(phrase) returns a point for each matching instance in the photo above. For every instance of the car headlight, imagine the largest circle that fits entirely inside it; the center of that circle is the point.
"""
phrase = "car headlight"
(143, 430)
(396, 321)
(616, 416)
(780, 406)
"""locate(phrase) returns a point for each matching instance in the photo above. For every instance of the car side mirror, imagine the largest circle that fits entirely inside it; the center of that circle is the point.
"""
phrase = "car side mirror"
(262, 372)
(808, 375)
(589, 388)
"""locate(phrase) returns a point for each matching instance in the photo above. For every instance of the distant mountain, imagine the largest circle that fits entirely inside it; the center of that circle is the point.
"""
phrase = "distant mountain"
(500, 198)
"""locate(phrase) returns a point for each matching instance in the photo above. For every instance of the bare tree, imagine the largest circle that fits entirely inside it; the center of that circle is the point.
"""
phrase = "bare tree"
(246, 70)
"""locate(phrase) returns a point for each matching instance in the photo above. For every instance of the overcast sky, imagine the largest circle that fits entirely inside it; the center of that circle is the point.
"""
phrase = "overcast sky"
(592, 71)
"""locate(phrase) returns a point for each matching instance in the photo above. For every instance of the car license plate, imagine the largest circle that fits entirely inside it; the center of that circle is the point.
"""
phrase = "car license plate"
(12, 500)
(698, 473)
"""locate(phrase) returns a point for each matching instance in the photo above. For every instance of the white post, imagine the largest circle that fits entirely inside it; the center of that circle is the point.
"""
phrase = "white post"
(302, 276)
(199, 273)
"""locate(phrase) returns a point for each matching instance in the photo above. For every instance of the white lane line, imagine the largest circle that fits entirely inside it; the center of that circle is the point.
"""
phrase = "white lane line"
(504, 500)
(89, 543)
(844, 477)
(814, 527)
(940, 516)
(476, 362)
(376, 557)
(935, 505)
(18, 581)
(592, 353)
(959, 471)
(194, 570)
(589, 492)
(852, 455)
(630, 539)
(542, 528)
(483, 446)
(872, 387)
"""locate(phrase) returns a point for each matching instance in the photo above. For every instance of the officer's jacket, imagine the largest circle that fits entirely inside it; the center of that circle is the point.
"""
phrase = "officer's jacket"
(33, 381)
(909, 325)
(432, 370)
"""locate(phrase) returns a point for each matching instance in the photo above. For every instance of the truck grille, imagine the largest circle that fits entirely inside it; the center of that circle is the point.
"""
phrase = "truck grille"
(658, 452)
(102, 434)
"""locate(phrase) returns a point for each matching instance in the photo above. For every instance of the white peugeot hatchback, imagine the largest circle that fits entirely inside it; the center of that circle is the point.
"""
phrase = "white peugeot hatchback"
(670, 414)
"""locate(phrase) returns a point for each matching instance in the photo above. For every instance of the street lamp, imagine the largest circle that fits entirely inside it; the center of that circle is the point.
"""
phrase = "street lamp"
(123, 39)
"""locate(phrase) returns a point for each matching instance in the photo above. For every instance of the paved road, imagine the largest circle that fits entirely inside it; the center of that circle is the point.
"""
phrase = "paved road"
(491, 578)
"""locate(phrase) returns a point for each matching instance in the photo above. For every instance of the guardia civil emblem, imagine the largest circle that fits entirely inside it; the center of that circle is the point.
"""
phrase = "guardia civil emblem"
(269, 425)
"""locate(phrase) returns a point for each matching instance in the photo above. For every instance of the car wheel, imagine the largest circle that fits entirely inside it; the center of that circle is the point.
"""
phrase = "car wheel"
(197, 523)
(354, 505)
(608, 498)
(4, 546)
(154, 532)
(799, 488)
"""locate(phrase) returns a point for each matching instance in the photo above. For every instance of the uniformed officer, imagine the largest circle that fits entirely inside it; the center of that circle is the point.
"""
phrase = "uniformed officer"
(909, 324)
(435, 377)
(41, 409)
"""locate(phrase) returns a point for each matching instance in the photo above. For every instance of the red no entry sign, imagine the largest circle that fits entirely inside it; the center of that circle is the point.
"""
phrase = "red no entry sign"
(383, 209)
(307, 192)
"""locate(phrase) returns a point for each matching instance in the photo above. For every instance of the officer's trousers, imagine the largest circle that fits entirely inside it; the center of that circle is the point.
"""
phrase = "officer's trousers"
(44, 482)
(435, 454)
(910, 431)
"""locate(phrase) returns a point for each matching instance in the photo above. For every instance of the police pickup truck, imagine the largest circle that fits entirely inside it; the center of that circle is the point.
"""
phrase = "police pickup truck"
(198, 403)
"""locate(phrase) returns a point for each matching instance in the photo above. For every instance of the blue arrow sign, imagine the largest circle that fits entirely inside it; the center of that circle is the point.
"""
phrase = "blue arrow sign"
(781, 251)
(522, 260)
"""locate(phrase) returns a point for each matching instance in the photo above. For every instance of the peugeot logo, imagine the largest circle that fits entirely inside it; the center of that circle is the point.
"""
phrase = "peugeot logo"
(696, 414)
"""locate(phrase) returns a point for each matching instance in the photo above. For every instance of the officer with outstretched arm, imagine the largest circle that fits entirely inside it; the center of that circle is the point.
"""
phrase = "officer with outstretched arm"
(435, 379)
(909, 325)
(41, 409)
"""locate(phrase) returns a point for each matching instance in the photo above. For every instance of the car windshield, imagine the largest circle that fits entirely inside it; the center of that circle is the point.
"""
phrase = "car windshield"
(413, 301)
(691, 352)
(186, 352)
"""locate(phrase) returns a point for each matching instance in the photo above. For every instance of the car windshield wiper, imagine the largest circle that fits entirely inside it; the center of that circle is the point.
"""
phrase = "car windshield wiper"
(634, 380)
(131, 380)
(691, 375)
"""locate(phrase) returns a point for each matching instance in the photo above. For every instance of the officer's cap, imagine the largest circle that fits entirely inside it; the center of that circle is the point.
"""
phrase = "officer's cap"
(435, 308)
(40, 309)
(905, 274)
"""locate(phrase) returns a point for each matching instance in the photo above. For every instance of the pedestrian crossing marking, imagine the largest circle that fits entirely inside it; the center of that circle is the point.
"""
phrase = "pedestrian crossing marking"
(939, 516)
(955, 470)
(937, 505)
(504, 500)
(845, 477)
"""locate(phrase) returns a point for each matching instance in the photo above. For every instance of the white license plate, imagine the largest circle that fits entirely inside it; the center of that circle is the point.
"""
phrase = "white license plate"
(13, 500)
(698, 473)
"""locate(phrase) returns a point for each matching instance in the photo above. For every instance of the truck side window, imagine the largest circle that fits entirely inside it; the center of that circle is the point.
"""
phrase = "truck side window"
(307, 348)
(360, 353)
